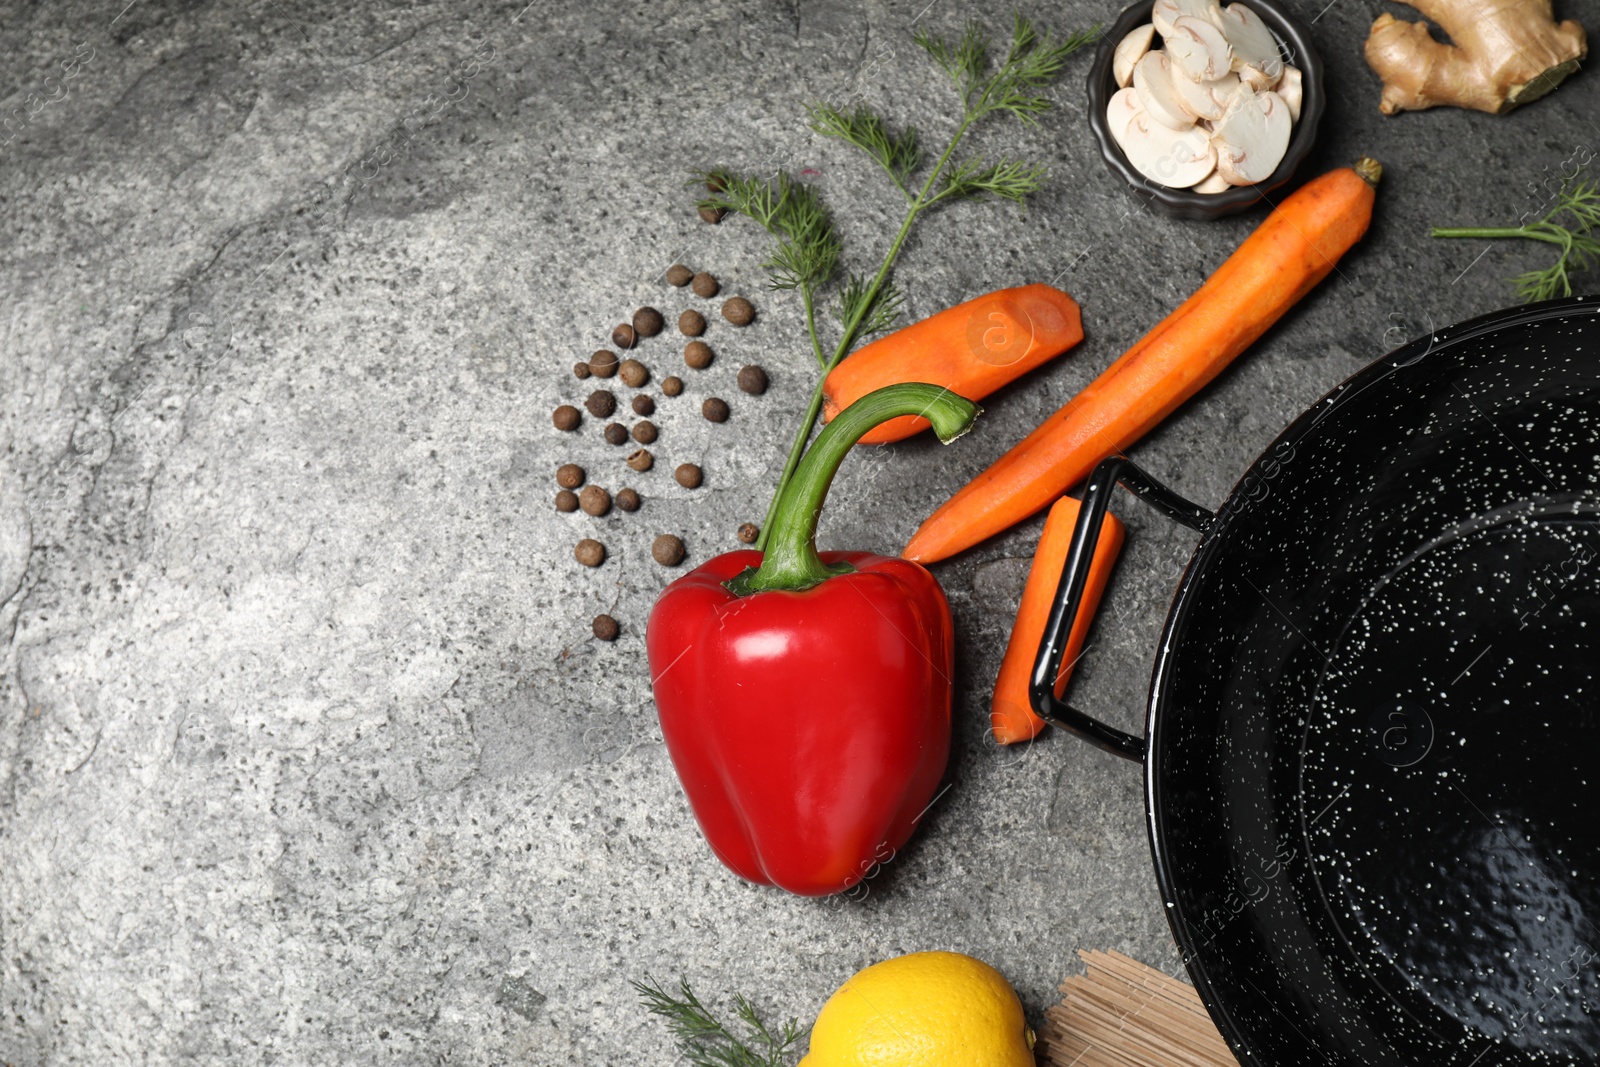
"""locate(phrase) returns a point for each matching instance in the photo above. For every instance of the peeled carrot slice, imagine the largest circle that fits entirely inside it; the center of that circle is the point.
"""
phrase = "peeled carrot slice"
(971, 349)
(1010, 716)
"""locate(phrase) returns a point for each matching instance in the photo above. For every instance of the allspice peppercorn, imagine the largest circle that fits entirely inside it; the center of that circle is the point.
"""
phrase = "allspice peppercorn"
(749, 532)
(605, 627)
(644, 404)
(712, 215)
(569, 476)
(623, 336)
(566, 417)
(667, 550)
(641, 460)
(688, 476)
(753, 380)
(603, 364)
(739, 311)
(601, 403)
(647, 322)
(616, 433)
(644, 432)
(633, 373)
(566, 500)
(580, 370)
(594, 501)
(672, 385)
(715, 409)
(705, 285)
(628, 499)
(691, 323)
(589, 552)
(697, 354)
(679, 275)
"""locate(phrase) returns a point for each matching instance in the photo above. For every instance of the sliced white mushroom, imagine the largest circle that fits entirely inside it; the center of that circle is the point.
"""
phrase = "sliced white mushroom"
(1175, 158)
(1251, 137)
(1198, 49)
(1120, 110)
(1256, 57)
(1209, 99)
(1288, 87)
(1129, 49)
(1152, 80)
(1212, 183)
(1166, 12)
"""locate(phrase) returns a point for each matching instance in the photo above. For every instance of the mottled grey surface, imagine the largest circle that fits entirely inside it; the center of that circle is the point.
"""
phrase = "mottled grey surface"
(306, 753)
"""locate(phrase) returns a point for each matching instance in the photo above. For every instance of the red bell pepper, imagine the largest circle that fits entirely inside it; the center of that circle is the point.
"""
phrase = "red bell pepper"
(805, 697)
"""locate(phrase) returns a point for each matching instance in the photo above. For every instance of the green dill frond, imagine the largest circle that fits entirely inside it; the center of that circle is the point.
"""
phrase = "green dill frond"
(864, 128)
(807, 252)
(775, 1044)
(884, 311)
(1575, 237)
(1581, 200)
(1578, 253)
(685, 1016)
(875, 311)
(704, 1041)
(1010, 180)
(963, 61)
(714, 180)
(1032, 63)
(1536, 285)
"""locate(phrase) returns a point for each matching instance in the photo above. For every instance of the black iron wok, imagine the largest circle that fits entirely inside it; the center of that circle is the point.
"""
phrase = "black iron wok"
(1370, 762)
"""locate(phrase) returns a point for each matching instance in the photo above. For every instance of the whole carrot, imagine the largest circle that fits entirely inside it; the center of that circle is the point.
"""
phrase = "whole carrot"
(971, 349)
(1010, 715)
(1292, 250)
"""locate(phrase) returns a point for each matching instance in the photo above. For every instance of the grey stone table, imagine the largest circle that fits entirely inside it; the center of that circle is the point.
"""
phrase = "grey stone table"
(306, 752)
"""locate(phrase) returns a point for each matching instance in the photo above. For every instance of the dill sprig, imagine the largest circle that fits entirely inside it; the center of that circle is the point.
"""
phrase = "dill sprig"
(898, 154)
(808, 250)
(704, 1041)
(973, 179)
(806, 255)
(876, 311)
(1031, 63)
(1579, 202)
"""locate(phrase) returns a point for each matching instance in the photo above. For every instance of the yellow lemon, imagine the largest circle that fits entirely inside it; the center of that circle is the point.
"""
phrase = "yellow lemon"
(928, 1009)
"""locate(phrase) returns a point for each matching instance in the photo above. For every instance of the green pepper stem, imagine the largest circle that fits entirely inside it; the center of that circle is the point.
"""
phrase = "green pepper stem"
(791, 560)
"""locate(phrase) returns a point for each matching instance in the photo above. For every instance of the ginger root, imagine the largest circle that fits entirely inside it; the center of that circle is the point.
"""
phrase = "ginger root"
(1506, 53)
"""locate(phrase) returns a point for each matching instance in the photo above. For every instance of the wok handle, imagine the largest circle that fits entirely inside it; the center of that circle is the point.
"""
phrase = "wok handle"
(1069, 595)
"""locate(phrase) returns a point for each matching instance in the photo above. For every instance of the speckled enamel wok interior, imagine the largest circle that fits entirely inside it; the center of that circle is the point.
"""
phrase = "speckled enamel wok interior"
(1371, 776)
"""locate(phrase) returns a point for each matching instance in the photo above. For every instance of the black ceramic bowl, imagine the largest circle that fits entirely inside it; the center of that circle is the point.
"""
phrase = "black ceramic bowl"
(1295, 42)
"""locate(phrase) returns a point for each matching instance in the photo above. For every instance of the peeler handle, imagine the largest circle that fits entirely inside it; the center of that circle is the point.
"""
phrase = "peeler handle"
(1069, 595)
